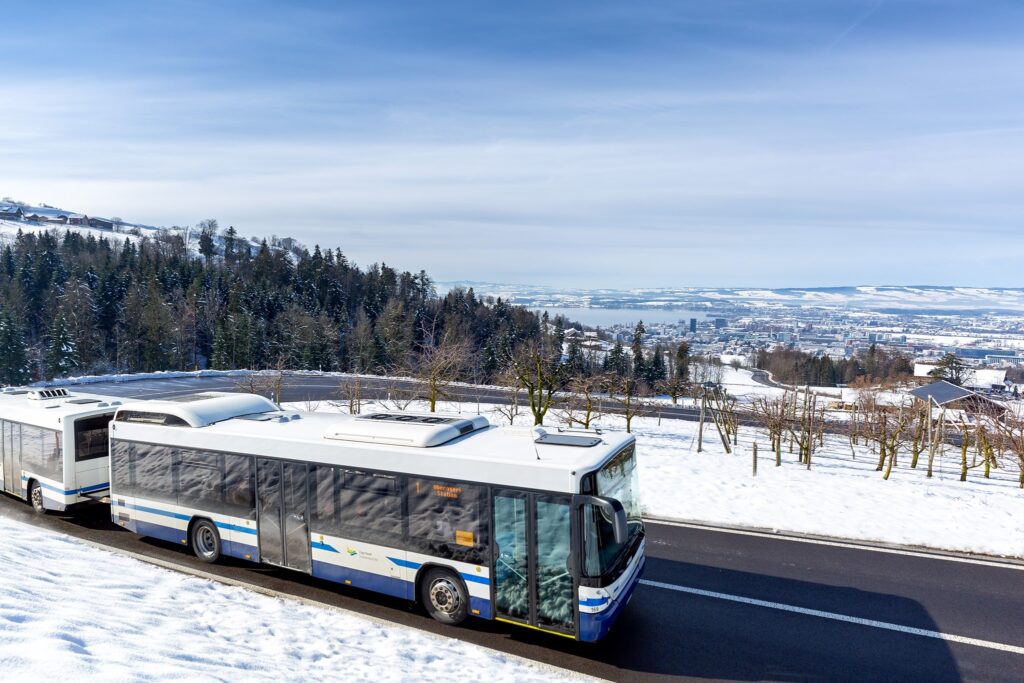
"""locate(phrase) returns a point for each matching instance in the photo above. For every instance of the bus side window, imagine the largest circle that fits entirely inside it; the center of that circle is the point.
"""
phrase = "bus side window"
(448, 518)
(122, 482)
(324, 503)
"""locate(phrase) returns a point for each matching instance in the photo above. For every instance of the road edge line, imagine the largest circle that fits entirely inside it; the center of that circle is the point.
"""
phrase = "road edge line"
(927, 552)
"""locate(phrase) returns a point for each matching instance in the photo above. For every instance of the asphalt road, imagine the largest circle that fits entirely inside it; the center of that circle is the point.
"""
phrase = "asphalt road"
(316, 388)
(715, 604)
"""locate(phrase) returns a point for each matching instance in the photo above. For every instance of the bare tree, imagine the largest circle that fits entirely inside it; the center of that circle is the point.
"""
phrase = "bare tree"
(1011, 430)
(634, 402)
(269, 383)
(583, 403)
(773, 414)
(510, 411)
(351, 392)
(437, 366)
(540, 374)
(399, 396)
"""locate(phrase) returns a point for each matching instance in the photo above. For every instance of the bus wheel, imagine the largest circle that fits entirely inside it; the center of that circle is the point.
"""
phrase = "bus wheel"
(35, 497)
(205, 541)
(444, 596)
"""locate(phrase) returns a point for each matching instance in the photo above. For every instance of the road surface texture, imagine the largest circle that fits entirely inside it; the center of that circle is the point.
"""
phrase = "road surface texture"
(715, 604)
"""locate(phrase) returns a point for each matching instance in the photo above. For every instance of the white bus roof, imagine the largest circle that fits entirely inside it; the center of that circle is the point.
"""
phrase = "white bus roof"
(50, 407)
(431, 445)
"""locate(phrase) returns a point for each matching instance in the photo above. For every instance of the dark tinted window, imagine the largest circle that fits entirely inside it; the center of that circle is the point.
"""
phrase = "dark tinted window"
(41, 452)
(216, 482)
(448, 519)
(91, 437)
(121, 480)
(153, 468)
(356, 505)
(238, 499)
(200, 478)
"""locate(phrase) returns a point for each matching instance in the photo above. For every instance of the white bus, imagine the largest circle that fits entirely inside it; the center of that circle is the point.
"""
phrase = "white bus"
(532, 528)
(53, 446)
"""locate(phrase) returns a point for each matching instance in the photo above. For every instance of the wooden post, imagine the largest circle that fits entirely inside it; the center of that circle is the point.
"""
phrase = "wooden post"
(755, 459)
(700, 429)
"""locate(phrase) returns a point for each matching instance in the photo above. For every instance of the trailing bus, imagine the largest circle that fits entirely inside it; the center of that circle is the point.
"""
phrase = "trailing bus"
(534, 528)
(53, 446)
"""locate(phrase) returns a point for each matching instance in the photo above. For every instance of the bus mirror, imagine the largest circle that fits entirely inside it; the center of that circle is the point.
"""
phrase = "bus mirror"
(612, 509)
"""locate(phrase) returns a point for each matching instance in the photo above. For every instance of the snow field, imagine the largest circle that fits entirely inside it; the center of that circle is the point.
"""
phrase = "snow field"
(70, 611)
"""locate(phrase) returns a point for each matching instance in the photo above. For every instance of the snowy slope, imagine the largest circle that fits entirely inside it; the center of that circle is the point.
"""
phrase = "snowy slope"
(71, 612)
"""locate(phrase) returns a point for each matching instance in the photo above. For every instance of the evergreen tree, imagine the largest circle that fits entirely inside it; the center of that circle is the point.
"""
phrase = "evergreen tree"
(616, 360)
(576, 362)
(951, 369)
(13, 357)
(61, 354)
(639, 364)
(230, 244)
(207, 244)
(655, 371)
(682, 364)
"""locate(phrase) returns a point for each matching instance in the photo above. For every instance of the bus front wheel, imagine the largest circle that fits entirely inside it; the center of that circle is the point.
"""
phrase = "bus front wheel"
(206, 541)
(35, 497)
(445, 596)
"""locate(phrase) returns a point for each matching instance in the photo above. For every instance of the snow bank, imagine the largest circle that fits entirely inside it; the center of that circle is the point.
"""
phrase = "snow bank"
(72, 612)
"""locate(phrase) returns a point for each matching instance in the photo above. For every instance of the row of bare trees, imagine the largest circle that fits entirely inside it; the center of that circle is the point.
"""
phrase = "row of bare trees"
(985, 436)
(795, 421)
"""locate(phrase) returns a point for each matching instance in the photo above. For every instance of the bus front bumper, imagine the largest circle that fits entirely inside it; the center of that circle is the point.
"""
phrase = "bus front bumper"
(595, 626)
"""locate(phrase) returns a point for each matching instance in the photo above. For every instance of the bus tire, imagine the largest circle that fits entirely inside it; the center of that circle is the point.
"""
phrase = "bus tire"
(445, 596)
(205, 541)
(35, 497)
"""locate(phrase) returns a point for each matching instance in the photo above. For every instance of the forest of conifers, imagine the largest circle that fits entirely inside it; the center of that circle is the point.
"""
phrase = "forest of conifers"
(74, 304)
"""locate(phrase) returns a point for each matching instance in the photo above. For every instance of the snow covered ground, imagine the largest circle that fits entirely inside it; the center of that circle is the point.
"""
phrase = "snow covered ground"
(72, 612)
(841, 496)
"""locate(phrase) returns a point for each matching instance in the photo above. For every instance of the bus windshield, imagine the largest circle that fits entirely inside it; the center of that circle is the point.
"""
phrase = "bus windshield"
(618, 480)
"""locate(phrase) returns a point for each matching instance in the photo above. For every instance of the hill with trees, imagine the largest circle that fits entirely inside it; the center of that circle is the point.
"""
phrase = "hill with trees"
(74, 302)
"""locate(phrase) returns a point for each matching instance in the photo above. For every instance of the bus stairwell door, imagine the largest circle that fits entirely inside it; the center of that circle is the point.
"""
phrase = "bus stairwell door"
(282, 503)
(533, 584)
(11, 460)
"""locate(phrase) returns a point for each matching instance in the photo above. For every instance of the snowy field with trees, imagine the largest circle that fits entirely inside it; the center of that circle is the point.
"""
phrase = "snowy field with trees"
(74, 612)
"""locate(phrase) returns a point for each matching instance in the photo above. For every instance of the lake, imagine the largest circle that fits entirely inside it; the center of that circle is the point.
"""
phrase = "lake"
(606, 317)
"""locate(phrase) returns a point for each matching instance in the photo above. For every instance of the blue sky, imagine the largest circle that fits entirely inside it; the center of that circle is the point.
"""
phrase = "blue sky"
(590, 144)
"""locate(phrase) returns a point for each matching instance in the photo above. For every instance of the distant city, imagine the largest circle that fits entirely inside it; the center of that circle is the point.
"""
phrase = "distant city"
(982, 326)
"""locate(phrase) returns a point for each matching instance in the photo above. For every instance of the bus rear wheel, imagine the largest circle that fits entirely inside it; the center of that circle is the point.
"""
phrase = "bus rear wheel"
(445, 596)
(206, 541)
(35, 497)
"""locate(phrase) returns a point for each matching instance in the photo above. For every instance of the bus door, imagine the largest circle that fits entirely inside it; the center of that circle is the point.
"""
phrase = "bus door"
(282, 508)
(533, 580)
(11, 458)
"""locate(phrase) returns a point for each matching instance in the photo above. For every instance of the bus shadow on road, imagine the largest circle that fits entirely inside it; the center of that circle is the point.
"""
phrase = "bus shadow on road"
(665, 633)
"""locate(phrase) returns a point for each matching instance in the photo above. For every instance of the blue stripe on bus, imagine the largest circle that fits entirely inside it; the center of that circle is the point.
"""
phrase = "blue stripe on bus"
(178, 515)
(409, 564)
(594, 602)
(319, 545)
(72, 492)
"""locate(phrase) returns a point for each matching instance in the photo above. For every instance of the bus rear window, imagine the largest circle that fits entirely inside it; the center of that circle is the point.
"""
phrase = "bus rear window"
(91, 437)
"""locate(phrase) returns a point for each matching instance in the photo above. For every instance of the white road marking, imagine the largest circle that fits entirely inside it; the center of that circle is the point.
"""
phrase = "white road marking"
(1015, 649)
(853, 545)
